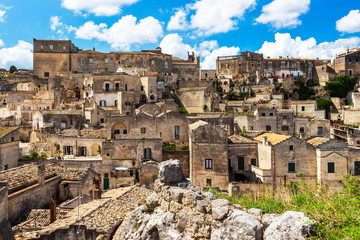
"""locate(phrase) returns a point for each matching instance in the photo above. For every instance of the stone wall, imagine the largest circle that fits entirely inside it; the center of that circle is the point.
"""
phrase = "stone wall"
(35, 196)
(3, 201)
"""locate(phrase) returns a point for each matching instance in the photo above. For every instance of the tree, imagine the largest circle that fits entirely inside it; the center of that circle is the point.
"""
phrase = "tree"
(324, 104)
(341, 86)
(12, 69)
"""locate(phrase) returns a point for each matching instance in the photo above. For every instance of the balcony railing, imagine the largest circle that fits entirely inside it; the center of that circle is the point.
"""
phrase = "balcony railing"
(111, 90)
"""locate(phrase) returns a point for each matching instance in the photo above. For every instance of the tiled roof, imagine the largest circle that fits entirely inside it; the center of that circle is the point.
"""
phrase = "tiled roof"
(85, 133)
(317, 141)
(70, 174)
(24, 176)
(273, 138)
(6, 130)
(240, 139)
(301, 102)
(41, 217)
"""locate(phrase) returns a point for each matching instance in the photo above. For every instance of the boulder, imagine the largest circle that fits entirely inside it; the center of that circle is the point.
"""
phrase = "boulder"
(170, 171)
(219, 203)
(152, 201)
(219, 213)
(256, 212)
(290, 225)
(268, 218)
(239, 225)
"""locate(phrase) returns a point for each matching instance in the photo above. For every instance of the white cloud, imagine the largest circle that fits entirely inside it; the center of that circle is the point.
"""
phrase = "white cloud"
(3, 10)
(123, 33)
(97, 7)
(211, 16)
(61, 29)
(208, 50)
(178, 21)
(173, 44)
(20, 55)
(283, 13)
(55, 22)
(284, 46)
(2, 43)
(349, 23)
(209, 61)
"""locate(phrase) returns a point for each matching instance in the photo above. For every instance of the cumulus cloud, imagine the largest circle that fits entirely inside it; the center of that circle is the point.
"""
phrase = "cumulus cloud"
(208, 50)
(20, 55)
(209, 17)
(3, 10)
(123, 33)
(62, 30)
(209, 61)
(283, 13)
(284, 45)
(178, 21)
(97, 7)
(173, 44)
(350, 23)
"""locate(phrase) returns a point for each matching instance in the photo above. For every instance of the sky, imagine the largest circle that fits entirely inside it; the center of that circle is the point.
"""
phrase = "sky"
(209, 28)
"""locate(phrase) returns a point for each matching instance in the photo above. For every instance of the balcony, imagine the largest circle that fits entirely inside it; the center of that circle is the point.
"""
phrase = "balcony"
(111, 90)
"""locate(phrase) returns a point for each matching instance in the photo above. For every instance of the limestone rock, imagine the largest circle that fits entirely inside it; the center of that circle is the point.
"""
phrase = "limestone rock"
(176, 194)
(239, 225)
(219, 213)
(220, 202)
(268, 218)
(170, 171)
(152, 201)
(291, 225)
(209, 195)
(256, 212)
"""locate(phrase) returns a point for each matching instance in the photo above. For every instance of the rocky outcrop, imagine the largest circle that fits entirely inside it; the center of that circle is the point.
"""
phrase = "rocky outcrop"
(178, 210)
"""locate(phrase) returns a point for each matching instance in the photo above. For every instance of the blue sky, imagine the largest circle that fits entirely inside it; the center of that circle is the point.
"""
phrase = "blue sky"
(297, 28)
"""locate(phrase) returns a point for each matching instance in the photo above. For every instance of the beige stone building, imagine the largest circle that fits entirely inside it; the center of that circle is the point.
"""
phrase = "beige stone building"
(9, 147)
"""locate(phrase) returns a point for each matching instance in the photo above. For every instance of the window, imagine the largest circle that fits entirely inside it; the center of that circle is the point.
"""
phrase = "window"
(310, 66)
(298, 65)
(117, 131)
(90, 60)
(302, 129)
(124, 131)
(71, 122)
(46, 74)
(177, 132)
(331, 167)
(291, 148)
(271, 114)
(268, 128)
(51, 47)
(131, 173)
(270, 65)
(117, 86)
(102, 103)
(208, 163)
(19, 99)
(285, 128)
(115, 103)
(107, 87)
(358, 142)
(263, 114)
(41, 47)
(285, 117)
(147, 153)
(291, 167)
(108, 154)
(64, 49)
(303, 108)
(142, 88)
(83, 61)
(253, 161)
(127, 103)
(320, 130)
(152, 62)
(208, 182)
(143, 130)
(12, 139)
(87, 121)
(241, 163)
(102, 120)
(283, 65)
(106, 60)
(166, 63)
(126, 87)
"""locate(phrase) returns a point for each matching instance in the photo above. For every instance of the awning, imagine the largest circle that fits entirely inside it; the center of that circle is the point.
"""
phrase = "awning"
(121, 168)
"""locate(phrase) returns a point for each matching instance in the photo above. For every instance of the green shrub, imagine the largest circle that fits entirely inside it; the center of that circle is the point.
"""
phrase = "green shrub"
(184, 148)
(182, 110)
(169, 147)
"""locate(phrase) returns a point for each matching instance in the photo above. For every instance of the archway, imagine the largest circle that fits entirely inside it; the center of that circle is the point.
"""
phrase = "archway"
(118, 128)
(94, 149)
(142, 99)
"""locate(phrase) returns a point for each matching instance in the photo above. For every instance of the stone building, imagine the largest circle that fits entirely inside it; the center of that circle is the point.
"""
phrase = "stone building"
(9, 147)
(252, 67)
(54, 57)
(284, 159)
(348, 63)
(208, 155)
(325, 74)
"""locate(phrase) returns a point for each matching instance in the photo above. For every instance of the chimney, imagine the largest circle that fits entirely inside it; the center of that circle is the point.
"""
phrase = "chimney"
(41, 173)
(52, 208)
(97, 190)
(264, 140)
